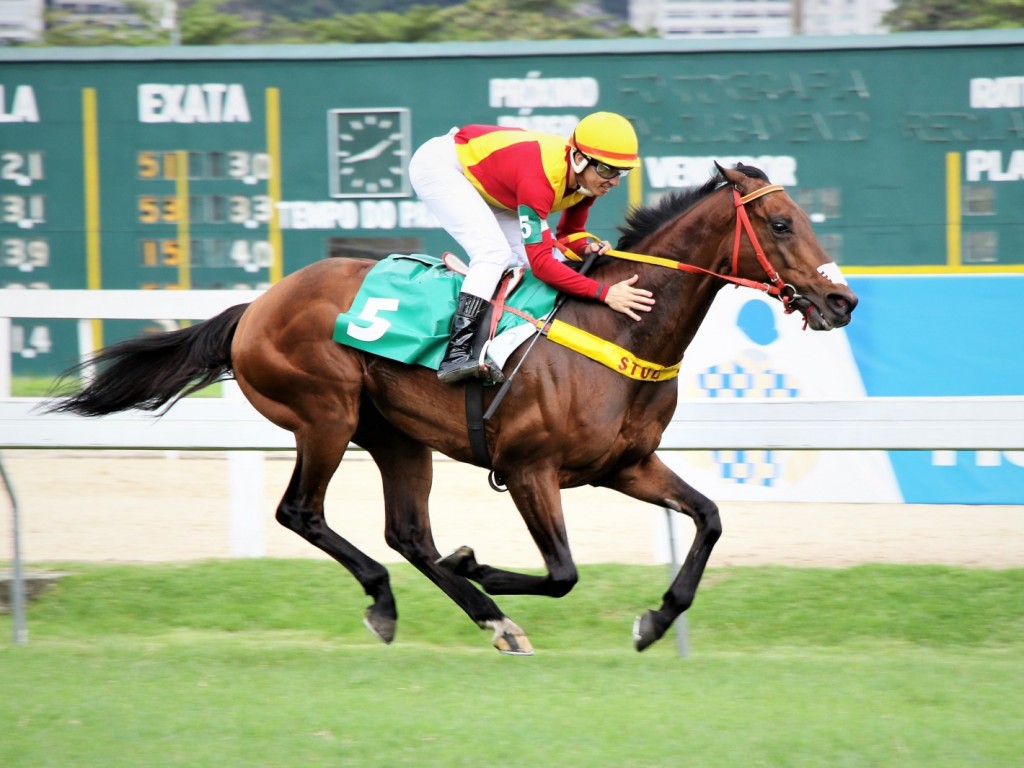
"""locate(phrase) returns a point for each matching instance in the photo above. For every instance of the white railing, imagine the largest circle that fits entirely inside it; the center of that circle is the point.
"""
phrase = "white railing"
(881, 423)
(85, 306)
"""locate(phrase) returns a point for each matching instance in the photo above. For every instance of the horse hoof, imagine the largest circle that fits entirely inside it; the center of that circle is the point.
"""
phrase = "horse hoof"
(456, 561)
(645, 631)
(383, 627)
(510, 639)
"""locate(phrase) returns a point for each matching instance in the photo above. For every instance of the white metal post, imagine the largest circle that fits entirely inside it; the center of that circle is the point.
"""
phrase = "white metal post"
(245, 470)
(19, 627)
(682, 628)
(5, 356)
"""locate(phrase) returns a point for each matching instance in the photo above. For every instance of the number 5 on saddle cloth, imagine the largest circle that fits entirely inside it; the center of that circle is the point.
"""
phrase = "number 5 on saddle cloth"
(404, 308)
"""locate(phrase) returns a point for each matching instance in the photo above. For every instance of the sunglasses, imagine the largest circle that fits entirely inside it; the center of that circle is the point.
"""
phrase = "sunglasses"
(606, 171)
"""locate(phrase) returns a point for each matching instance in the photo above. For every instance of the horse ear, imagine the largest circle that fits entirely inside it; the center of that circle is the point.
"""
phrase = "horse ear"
(729, 175)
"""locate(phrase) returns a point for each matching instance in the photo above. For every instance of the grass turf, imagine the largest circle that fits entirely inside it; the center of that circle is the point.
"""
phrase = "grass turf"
(265, 663)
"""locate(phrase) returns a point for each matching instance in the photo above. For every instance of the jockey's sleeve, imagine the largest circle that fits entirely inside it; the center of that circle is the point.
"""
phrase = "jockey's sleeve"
(574, 218)
(539, 241)
(574, 221)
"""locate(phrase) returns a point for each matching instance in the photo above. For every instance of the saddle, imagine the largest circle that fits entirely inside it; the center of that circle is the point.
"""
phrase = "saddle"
(403, 310)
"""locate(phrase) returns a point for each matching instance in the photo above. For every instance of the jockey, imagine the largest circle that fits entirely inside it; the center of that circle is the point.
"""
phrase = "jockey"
(492, 189)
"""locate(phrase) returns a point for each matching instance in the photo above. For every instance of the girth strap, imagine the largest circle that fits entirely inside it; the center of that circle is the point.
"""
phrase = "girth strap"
(475, 386)
(475, 421)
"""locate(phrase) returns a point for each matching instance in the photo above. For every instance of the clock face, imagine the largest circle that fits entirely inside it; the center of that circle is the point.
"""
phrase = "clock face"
(370, 152)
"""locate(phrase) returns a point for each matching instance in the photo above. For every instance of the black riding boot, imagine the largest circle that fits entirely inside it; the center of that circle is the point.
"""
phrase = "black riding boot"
(458, 363)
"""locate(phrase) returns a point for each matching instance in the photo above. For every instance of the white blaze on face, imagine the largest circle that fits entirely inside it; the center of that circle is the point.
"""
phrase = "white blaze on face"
(831, 271)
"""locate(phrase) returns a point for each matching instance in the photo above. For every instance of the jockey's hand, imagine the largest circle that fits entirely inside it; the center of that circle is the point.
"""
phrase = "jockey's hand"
(624, 298)
(597, 246)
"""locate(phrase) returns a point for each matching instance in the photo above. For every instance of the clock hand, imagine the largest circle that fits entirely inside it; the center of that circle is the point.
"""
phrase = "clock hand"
(372, 152)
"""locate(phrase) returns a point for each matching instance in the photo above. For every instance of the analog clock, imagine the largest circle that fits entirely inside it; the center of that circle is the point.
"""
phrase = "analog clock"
(371, 152)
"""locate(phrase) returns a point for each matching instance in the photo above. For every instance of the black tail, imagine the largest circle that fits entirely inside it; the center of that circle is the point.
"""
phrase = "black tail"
(151, 371)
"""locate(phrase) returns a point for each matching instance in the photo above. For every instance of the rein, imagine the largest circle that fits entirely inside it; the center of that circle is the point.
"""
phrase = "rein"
(622, 360)
(774, 287)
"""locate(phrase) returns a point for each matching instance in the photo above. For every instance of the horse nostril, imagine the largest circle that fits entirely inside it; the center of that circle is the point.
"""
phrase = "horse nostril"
(841, 304)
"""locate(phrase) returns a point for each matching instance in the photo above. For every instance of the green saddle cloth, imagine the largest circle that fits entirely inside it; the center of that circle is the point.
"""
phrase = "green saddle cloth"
(404, 308)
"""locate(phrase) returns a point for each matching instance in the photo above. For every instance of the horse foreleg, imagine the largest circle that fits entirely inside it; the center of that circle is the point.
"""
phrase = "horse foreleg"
(406, 469)
(651, 481)
(536, 494)
(302, 510)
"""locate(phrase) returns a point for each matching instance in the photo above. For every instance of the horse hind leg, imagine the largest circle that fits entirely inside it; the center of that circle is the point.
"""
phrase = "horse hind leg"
(406, 468)
(302, 511)
(408, 532)
(537, 496)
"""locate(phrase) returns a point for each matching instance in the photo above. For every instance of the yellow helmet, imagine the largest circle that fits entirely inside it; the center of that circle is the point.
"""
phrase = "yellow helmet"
(608, 138)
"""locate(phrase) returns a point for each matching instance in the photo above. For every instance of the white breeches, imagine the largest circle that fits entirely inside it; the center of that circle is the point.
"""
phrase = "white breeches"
(490, 236)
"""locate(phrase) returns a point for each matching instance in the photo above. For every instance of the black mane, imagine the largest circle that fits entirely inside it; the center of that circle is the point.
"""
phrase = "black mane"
(645, 220)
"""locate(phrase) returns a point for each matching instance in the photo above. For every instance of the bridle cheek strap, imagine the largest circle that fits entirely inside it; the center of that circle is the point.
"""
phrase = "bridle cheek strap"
(778, 287)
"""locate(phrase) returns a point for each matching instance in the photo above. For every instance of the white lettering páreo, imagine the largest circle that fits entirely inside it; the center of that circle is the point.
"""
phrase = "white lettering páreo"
(348, 214)
(23, 108)
(668, 172)
(988, 165)
(997, 92)
(559, 125)
(534, 91)
(193, 103)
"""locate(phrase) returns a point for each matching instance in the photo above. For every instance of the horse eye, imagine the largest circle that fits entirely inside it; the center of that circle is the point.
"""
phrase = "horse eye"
(779, 226)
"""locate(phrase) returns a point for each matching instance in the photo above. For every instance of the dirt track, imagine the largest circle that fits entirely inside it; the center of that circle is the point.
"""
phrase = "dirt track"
(148, 507)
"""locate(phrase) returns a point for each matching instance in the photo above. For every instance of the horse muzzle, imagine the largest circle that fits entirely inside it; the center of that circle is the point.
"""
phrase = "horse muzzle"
(833, 310)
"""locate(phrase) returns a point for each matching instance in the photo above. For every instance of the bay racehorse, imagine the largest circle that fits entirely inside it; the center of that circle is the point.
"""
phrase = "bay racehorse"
(565, 421)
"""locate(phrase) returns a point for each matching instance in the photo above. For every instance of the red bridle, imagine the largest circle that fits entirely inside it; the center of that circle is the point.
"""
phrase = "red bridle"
(778, 287)
(775, 285)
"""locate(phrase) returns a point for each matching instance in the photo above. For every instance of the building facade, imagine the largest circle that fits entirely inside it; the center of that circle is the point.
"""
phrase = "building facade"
(843, 17)
(757, 18)
(21, 21)
(24, 21)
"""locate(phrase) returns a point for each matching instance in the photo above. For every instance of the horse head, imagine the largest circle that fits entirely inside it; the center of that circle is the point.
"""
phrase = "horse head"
(774, 238)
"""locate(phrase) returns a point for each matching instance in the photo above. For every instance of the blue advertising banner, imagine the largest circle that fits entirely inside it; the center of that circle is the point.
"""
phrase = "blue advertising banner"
(944, 335)
(927, 335)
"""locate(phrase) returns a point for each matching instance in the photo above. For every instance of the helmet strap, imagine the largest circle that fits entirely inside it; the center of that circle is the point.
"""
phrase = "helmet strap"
(577, 168)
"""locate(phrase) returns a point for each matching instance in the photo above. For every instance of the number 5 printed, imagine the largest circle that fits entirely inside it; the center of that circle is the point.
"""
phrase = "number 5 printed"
(525, 227)
(378, 326)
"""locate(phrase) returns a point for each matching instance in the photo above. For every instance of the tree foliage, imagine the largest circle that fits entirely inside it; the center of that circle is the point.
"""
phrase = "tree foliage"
(220, 22)
(920, 15)
(418, 24)
(203, 22)
(307, 10)
(483, 20)
(472, 20)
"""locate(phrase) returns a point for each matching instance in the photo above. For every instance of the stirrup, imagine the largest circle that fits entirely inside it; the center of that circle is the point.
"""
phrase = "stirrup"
(464, 369)
(489, 371)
